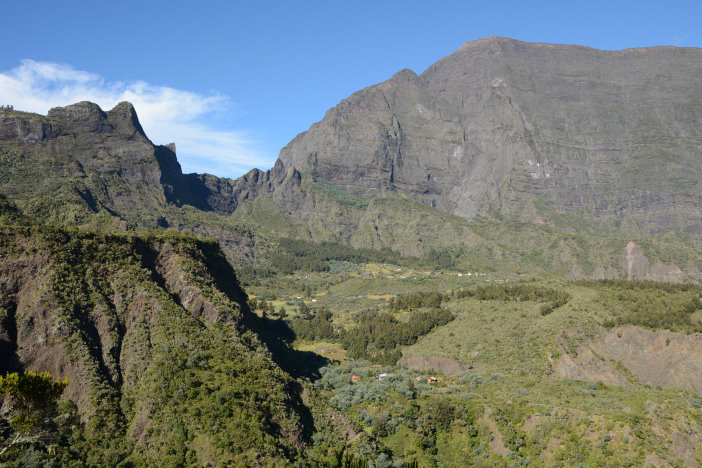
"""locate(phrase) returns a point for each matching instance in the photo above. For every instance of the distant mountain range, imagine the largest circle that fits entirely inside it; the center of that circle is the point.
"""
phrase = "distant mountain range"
(589, 149)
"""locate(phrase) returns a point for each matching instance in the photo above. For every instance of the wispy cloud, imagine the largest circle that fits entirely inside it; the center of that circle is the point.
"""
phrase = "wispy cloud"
(167, 114)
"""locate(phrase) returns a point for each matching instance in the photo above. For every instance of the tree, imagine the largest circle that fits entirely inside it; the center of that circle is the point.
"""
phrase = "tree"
(32, 401)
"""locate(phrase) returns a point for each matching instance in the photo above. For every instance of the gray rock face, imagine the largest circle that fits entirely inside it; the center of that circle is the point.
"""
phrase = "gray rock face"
(104, 156)
(528, 131)
(80, 165)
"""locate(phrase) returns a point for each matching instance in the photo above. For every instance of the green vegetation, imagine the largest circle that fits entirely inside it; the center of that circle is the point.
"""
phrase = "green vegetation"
(32, 401)
(657, 306)
(415, 300)
(203, 379)
(314, 326)
(172, 364)
(500, 332)
(154, 325)
(488, 419)
(339, 195)
(9, 213)
(551, 298)
(303, 255)
(37, 428)
(378, 336)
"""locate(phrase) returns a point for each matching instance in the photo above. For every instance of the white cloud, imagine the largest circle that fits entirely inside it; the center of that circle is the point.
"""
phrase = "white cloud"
(167, 114)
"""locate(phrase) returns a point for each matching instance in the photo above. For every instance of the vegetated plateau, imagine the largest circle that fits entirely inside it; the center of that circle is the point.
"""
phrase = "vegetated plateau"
(488, 264)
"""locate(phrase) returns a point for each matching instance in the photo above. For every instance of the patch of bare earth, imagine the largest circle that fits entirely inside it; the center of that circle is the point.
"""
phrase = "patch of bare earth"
(662, 358)
(638, 267)
(657, 358)
(654, 461)
(432, 363)
(683, 449)
(553, 444)
(588, 366)
(497, 444)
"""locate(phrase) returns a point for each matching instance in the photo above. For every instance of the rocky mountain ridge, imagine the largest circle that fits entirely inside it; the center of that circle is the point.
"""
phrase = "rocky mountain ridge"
(503, 141)
(526, 130)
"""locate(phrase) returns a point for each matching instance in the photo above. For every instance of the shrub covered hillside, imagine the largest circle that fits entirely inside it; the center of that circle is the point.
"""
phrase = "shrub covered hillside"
(150, 330)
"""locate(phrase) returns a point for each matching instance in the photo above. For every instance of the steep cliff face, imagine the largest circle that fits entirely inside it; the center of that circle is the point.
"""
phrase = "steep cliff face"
(151, 331)
(102, 163)
(82, 166)
(526, 130)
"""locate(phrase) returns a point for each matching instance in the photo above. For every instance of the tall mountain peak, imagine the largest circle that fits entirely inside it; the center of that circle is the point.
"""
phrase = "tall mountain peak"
(83, 109)
(87, 116)
(404, 75)
(123, 117)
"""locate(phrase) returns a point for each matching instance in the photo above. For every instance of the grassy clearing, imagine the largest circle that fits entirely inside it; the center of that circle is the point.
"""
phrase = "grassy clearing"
(330, 350)
(506, 336)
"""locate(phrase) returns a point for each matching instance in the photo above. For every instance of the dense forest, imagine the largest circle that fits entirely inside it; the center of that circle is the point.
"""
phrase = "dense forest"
(650, 304)
(550, 298)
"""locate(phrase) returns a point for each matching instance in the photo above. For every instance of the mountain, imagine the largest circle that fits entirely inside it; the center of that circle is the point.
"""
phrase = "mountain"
(533, 158)
(81, 160)
(410, 266)
(155, 336)
(81, 166)
(518, 142)
(528, 131)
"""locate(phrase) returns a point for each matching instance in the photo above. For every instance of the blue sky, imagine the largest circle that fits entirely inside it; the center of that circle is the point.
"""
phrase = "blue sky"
(233, 82)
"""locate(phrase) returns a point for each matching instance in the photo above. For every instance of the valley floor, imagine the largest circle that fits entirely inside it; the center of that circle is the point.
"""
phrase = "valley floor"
(611, 377)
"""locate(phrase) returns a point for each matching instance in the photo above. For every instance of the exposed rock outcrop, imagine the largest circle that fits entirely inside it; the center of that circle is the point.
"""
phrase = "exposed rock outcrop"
(657, 358)
(637, 267)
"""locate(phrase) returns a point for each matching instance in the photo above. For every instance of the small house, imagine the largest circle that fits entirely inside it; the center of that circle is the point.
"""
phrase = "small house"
(432, 380)
(355, 378)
